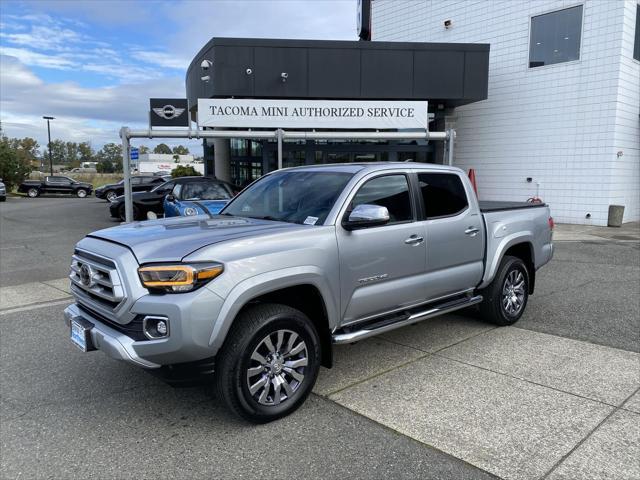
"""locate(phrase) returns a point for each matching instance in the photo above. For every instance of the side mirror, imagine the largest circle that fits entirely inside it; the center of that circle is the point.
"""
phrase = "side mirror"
(364, 216)
(170, 198)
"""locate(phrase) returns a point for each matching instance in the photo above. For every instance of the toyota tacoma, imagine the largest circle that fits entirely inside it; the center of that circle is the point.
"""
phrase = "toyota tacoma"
(302, 259)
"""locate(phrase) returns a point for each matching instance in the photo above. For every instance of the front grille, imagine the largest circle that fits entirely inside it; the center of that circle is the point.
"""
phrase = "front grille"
(133, 329)
(97, 279)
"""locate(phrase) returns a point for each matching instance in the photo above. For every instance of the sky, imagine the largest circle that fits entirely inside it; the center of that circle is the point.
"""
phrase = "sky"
(94, 64)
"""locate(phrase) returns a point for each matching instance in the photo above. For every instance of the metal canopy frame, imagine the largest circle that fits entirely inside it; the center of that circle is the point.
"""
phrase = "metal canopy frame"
(279, 135)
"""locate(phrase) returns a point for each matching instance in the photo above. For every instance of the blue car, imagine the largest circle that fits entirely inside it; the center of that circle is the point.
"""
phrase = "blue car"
(201, 196)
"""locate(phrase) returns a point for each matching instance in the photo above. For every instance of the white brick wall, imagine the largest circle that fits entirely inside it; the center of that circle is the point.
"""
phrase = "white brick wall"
(560, 124)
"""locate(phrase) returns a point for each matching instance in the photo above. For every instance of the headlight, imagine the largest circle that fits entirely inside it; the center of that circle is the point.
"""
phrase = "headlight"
(189, 211)
(178, 278)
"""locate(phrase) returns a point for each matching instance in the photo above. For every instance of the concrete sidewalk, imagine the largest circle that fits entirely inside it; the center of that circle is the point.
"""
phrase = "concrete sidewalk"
(516, 403)
(629, 232)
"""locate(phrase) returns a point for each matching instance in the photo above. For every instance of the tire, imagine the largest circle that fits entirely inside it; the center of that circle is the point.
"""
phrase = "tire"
(136, 213)
(81, 193)
(501, 304)
(3, 199)
(246, 368)
(33, 192)
(110, 196)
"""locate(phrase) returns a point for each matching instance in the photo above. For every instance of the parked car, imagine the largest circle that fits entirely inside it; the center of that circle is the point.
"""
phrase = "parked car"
(139, 183)
(145, 202)
(3, 191)
(302, 259)
(198, 196)
(55, 184)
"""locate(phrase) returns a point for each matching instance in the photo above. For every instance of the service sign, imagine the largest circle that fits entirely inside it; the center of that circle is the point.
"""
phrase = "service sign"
(309, 114)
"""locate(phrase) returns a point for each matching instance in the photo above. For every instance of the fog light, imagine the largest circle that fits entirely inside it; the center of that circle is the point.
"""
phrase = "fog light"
(155, 327)
(161, 327)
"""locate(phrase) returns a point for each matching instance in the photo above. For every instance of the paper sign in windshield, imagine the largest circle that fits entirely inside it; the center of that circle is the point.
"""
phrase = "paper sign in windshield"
(310, 220)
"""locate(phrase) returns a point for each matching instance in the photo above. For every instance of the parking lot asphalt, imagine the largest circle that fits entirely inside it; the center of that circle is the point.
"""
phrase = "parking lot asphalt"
(556, 396)
(37, 235)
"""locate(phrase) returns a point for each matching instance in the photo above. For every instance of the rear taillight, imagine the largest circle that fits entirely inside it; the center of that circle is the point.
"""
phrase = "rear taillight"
(551, 223)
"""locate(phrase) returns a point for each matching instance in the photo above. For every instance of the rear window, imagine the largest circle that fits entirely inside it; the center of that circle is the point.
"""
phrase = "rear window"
(443, 194)
(204, 191)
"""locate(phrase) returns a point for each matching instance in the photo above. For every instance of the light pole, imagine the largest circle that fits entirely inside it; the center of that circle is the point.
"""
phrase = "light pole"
(49, 147)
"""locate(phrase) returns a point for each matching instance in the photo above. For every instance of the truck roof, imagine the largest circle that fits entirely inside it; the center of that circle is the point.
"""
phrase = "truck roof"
(373, 166)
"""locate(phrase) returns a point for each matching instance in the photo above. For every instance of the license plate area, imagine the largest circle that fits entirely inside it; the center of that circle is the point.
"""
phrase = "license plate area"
(81, 334)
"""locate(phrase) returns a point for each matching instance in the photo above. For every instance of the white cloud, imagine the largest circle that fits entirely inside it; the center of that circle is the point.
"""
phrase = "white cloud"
(161, 59)
(36, 59)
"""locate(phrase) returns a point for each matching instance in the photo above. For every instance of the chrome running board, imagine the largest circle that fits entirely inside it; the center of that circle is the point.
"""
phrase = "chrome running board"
(373, 329)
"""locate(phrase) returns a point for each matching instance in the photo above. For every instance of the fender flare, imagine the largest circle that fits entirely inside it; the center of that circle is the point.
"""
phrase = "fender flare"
(268, 282)
(506, 243)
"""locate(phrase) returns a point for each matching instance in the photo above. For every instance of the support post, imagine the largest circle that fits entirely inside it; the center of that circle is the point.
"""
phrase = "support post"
(450, 137)
(279, 132)
(126, 169)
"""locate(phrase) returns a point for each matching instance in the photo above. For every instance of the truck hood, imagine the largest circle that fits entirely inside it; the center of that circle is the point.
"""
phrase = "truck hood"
(172, 239)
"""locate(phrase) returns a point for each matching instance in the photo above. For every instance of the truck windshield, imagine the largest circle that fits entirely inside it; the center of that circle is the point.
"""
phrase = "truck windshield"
(290, 196)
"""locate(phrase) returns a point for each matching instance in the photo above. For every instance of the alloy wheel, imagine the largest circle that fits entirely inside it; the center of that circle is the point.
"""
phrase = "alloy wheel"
(513, 292)
(277, 367)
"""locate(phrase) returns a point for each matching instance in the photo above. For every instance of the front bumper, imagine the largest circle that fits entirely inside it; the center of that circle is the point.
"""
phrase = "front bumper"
(115, 344)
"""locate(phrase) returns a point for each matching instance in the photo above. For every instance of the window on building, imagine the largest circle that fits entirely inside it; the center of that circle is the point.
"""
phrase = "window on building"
(442, 193)
(636, 43)
(555, 37)
(391, 191)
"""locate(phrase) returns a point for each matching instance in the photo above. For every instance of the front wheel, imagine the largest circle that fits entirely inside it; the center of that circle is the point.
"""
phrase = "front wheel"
(111, 196)
(506, 297)
(81, 193)
(33, 192)
(268, 363)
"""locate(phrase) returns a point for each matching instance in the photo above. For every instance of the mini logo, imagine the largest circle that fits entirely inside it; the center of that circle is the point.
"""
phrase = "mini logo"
(86, 275)
(168, 112)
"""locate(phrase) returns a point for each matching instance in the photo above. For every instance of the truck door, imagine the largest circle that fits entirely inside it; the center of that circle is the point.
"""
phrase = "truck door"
(380, 267)
(454, 234)
(57, 184)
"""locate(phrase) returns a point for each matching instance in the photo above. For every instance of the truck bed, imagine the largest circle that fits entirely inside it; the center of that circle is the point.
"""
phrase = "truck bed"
(497, 206)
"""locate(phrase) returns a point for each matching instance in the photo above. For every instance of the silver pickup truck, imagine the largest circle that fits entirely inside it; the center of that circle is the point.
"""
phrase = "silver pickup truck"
(302, 259)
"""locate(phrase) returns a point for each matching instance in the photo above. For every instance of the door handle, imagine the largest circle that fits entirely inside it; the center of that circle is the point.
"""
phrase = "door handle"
(472, 231)
(414, 240)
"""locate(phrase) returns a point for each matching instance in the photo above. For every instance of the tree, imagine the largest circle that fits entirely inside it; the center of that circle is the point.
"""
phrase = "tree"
(176, 158)
(13, 167)
(142, 149)
(109, 158)
(181, 150)
(58, 152)
(182, 171)
(162, 148)
(85, 152)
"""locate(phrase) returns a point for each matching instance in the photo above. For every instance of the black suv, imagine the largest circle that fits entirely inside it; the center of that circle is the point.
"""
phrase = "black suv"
(139, 183)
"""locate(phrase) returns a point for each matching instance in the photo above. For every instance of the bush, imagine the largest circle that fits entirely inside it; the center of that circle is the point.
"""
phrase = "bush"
(13, 170)
(184, 171)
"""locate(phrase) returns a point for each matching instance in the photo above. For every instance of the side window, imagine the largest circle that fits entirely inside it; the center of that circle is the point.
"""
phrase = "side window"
(391, 191)
(177, 190)
(136, 180)
(443, 194)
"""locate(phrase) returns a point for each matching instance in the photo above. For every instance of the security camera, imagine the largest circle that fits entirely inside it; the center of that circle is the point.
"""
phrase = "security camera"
(448, 24)
(206, 64)
(249, 71)
(284, 76)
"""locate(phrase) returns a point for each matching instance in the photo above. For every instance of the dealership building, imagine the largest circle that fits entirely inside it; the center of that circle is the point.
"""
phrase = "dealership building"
(544, 96)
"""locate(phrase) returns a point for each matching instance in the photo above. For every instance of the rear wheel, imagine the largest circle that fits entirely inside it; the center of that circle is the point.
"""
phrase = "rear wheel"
(268, 363)
(33, 192)
(81, 193)
(506, 297)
